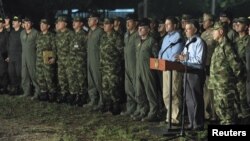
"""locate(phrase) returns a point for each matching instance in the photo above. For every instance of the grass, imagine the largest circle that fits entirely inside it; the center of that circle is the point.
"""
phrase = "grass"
(26, 120)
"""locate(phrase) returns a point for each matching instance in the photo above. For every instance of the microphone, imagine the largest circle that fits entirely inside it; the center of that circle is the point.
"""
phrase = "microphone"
(192, 41)
(171, 45)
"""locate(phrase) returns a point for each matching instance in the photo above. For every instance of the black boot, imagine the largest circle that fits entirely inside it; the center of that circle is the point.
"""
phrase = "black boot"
(52, 96)
(116, 108)
(71, 98)
(61, 98)
(43, 96)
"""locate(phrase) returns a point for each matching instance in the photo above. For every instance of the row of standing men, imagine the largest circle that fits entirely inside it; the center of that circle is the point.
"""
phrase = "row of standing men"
(104, 54)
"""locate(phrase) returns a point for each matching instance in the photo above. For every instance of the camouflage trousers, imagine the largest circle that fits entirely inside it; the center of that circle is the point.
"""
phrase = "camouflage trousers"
(62, 77)
(242, 104)
(110, 84)
(224, 101)
(77, 77)
(45, 77)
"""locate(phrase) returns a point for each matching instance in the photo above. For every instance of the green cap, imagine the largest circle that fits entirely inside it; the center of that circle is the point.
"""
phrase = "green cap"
(16, 18)
(61, 19)
(1, 20)
(45, 21)
(93, 15)
(243, 20)
(108, 21)
(186, 17)
(219, 25)
(78, 19)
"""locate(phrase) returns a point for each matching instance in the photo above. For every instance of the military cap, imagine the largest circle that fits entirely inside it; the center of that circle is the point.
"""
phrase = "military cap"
(144, 22)
(7, 17)
(243, 20)
(219, 25)
(61, 19)
(116, 18)
(226, 14)
(186, 17)
(235, 20)
(27, 19)
(132, 17)
(16, 18)
(94, 15)
(108, 21)
(1, 20)
(78, 19)
(207, 16)
(45, 21)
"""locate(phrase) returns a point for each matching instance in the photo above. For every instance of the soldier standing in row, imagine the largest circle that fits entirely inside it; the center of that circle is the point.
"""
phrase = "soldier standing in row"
(14, 58)
(45, 61)
(77, 64)
(224, 71)
(240, 47)
(130, 62)
(93, 66)
(3, 56)
(207, 36)
(7, 23)
(146, 89)
(28, 40)
(110, 58)
(63, 41)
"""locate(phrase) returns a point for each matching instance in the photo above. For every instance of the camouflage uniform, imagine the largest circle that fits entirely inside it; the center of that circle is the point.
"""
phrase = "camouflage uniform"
(77, 64)
(45, 72)
(222, 81)
(207, 36)
(110, 59)
(248, 72)
(63, 42)
(241, 45)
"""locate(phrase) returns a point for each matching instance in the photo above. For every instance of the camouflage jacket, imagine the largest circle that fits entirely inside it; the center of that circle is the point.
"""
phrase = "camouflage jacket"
(224, 69)
(111, 50)
(45, 42)
(63, 42)
(207, 36)
(78, 47)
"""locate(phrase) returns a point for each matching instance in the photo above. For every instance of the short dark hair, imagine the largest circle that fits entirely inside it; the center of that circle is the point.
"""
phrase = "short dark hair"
(172, 19)
(195, 23)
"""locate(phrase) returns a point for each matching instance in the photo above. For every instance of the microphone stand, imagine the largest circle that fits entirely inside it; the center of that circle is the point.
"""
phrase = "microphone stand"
(182, 131)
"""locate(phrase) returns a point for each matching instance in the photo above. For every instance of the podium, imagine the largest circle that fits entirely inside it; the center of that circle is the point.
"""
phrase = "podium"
(164, 65)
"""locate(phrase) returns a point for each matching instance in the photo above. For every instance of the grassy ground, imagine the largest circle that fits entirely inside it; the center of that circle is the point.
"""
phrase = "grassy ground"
(24, 120)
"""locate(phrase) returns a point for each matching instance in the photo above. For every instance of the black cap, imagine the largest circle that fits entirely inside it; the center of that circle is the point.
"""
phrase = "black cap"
(226, 14)
(132, 17)
(78, 19)
(144, 22)
(94, 15)
(27, 19)
(7, 16)
(16, 18)
(108, 21)
(243, 20)
(45, 21)
(1, 20)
